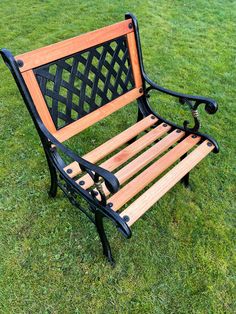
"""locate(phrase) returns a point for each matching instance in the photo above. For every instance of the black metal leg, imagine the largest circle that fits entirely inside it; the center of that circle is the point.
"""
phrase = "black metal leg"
(105, 244)
(139, 118)
(53, 188)
(185, 179)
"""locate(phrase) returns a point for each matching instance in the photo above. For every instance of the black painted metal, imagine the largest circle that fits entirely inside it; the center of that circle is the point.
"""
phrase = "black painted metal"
(83, 82)
(105, 244)
(193, 101)
(106, 75)
(185, 179)
(52, 147)
(53, 173)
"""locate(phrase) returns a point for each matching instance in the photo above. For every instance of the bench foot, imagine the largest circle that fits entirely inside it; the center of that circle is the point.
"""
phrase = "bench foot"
(105, 243)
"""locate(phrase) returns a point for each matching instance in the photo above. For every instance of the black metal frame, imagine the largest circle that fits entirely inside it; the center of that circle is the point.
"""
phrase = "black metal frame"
(106, 64)
(59, 178)
(192, 101)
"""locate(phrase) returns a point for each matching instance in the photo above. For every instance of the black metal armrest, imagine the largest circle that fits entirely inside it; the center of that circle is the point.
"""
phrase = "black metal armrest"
(192, 101)
(97, 173)
(210, 104)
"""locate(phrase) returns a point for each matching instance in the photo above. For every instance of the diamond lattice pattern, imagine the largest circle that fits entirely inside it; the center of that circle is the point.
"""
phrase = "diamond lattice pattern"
(81, 83)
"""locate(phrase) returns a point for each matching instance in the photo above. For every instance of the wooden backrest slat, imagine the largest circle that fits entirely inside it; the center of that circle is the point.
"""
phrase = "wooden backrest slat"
(97, 115)
(70, 46)
(38, 100)
(134, 59)
(45, 86)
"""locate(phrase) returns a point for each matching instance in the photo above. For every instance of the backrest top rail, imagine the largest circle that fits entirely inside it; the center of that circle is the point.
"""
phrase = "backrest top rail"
(47, 54)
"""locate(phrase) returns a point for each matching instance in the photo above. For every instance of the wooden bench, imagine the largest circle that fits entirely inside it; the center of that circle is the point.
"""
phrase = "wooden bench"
(71, 85)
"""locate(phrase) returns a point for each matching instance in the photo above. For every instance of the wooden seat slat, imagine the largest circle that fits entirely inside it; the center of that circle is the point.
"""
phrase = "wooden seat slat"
(109, 146)
(128, 152)
(145, 158)
(154, 193)
(151, 173)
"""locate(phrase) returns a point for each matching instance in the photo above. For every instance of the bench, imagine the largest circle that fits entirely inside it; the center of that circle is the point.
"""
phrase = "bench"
(71, 85)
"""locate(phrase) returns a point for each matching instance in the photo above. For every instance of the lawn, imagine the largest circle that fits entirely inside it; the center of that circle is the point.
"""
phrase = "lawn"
(181, 257)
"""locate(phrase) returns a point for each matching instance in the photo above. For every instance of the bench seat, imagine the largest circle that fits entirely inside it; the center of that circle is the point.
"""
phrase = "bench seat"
(158, 148)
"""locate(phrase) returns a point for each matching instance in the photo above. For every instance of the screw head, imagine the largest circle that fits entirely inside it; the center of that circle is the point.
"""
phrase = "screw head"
(209, 144)
(130, 25)
(69, 171)
(165, 125)
(126, 218)
(141, 90)
(95, 193)
(178, 130)
(194, 136)
(153, 117)
(110, 204)
(20, 63)
(81, 182)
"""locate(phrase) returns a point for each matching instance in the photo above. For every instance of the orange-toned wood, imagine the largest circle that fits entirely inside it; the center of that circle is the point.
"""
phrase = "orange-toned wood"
(144, 159)
(38, 100)
(114, 143)
(151, 173)
(97, 115)
(127, 153)
(67, 47)
(153, 194)
(134, 59)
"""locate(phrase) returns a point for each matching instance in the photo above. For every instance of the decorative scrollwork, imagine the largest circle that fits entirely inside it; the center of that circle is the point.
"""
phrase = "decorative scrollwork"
(71, 194)
(192, 101)
(195, 114)
(98, 184)
(210, 107)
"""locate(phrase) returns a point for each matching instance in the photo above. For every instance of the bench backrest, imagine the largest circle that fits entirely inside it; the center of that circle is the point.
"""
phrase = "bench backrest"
(79, 81)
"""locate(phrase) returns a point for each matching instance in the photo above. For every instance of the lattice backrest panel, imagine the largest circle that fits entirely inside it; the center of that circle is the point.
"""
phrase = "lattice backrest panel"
(83, 82)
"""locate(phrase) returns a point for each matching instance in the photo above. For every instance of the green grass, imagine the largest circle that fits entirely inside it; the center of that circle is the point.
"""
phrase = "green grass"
(181, 257)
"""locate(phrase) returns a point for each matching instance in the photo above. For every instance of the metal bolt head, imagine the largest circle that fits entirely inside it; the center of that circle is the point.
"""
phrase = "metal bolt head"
(110, 204)
(140, 90)
(20, 63)
(209, 144)
(130, 25)
(178, 131)
(126, 218)
(165, 125)
(69, 171)
(81, 182)
(194, 136)
(153, 117)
